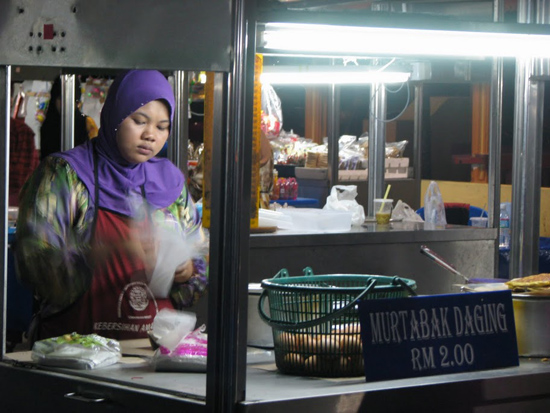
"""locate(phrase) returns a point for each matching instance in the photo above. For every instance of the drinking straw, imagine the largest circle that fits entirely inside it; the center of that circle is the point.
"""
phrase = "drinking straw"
(387, 191)
(385, 196)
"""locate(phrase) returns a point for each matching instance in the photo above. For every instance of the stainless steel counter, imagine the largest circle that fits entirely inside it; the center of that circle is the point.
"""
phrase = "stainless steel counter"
(383, 250)
(522, 388)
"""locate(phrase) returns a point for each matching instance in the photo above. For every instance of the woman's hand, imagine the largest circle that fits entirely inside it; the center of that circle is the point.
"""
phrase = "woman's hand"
(184, 272)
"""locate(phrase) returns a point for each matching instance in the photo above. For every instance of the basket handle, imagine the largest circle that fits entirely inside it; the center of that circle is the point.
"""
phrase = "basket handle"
(283, 273)
(397, 280)
(308, 271)
(286, 326)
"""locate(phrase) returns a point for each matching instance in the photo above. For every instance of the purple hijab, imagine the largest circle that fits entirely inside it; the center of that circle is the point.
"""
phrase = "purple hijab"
(118, 180)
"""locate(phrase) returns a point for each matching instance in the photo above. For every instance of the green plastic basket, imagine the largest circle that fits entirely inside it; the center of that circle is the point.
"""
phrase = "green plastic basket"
(315, 321)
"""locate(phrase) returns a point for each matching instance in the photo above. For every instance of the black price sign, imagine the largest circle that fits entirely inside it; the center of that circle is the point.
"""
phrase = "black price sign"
(429, 335)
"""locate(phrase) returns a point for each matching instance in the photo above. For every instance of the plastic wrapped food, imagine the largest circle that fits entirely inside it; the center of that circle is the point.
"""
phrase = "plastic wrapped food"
(272, 113)
(83, 352)
(395, 149)
(190, 355)
(291, 149)
(352, 152)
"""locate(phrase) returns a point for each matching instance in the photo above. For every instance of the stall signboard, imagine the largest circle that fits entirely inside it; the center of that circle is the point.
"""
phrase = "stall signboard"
(442, 334)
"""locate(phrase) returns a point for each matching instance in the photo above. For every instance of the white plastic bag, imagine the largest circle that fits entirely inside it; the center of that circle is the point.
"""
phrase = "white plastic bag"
(174, 248)
(171, 326)
(272, 112)
(434, 208)
(404, 212)
(342, 198)
(189, 355)
(76, 351)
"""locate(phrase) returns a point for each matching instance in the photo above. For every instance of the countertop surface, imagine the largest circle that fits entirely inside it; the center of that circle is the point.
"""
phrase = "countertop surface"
(266, 388)
(403, 232)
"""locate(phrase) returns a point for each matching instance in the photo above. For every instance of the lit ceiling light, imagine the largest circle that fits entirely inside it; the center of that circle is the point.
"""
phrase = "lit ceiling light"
(330, 75)
(380, 41)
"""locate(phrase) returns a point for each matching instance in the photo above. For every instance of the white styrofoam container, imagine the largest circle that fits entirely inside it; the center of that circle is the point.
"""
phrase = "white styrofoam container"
(353, 175)
(394, 168)
(397, 168)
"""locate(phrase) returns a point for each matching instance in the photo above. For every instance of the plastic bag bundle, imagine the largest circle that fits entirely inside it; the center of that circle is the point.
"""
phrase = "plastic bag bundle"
(82, 352)
(434, 208)
(342, 198)
(171, 326)
(189, 355)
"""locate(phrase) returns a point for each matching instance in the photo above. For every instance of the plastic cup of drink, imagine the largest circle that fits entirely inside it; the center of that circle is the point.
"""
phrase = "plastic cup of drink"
(479, 222)
(382, 210)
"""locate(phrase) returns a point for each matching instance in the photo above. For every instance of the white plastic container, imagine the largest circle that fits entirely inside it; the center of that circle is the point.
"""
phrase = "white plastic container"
(319, 220)
(259, 333)
(13, 212)
(479, 222)
(269, 218)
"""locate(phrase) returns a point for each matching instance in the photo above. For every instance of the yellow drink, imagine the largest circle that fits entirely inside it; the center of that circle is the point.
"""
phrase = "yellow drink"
(382, 218)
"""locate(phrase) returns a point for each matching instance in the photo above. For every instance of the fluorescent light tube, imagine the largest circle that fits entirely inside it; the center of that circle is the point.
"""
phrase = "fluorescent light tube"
(377, 41)
(330, 75)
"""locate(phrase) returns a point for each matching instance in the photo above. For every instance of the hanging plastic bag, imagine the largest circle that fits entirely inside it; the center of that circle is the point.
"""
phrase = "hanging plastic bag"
(272, 113)
(434, 208)
(342, 198)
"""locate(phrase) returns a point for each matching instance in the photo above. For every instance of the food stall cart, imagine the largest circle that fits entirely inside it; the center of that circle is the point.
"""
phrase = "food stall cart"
(237, 379)
(174, 37)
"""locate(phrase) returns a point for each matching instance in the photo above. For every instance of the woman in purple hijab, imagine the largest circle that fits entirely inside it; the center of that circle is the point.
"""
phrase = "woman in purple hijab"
(107, 233)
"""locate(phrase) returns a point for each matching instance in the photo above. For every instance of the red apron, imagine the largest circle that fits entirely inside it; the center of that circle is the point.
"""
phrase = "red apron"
(118, 303)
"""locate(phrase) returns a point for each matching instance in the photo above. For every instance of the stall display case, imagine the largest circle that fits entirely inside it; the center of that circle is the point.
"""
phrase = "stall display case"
(238, 379)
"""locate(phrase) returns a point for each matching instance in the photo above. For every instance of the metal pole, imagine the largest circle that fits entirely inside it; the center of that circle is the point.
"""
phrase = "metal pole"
(67, 111)
(230, 230)
(526, 168)
(377, 144)
(333, 134)
(495, 136)
(5, 95)
(543, 17)
(177, 148)
(417, 144)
